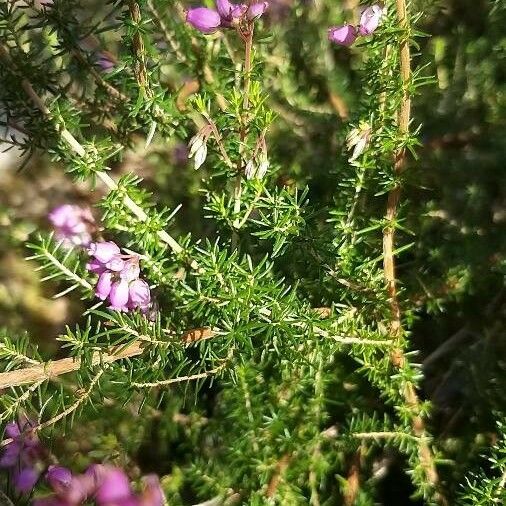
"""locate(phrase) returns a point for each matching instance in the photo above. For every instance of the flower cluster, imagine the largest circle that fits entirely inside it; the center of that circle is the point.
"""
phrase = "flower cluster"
(345, 35)
(226, 15)
(73, 224)
(118, 277)
(106, 485)
(22, 456)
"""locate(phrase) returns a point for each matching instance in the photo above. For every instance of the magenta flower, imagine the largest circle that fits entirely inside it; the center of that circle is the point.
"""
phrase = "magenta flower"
(104, 285)
(229, 12)
(51, 501)
(73, 224)
(344, 35)
(22, 456)
(152, 494)
(139, 295)
(226, 15)
(104, 251)
(114, 487)
(59, 478)
(118, 278)
(69, 490)
(370, 20)
(203, 19)
(25, 479)
(106, 61)
(257, 9)
(118, 297)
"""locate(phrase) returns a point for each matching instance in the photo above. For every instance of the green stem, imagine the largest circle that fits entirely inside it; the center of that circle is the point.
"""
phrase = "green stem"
(248, 46)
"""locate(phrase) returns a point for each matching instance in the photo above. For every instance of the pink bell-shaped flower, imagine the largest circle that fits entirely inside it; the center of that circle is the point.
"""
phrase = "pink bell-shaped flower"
(104, 251)
(203, 19)
(370, 20)
(118, 296)
(344, 35)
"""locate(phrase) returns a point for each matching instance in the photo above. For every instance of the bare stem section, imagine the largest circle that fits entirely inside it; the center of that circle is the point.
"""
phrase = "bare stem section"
(49, 370)
(248, 47)
(397, 356)
(140, 72)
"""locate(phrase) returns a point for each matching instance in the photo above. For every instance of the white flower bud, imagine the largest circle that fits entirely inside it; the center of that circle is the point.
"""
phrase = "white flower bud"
(200, 156)
(357, 140)
(196, 142)
(263, 168)
(249, 170)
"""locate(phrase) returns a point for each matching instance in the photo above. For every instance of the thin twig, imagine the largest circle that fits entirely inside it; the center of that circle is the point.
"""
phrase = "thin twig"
(80, 400)
(386, 435)
(63, 268)
(169, 37)
(116, 94)
(180, 379)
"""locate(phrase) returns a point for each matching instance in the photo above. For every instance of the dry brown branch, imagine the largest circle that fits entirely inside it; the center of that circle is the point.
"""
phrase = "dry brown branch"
(56, 368)
(353, 480)
(140, 72)
(281, 467)
(49, 370)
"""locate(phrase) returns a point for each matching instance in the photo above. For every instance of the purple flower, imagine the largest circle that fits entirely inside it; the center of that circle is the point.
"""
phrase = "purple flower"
(226, 15)
(130, 271)
(370, 20)
(72, 224)
(51, 501)
(22, 455)
(106, 61)
(25, 479)
(96, 267)
(81, 487)
(203, 19)
(104, 251)
(114, 487)
(344, 35)
(104, 285)
(107, 485)
(116, 264)
(118, 296)
(68, 490)
(59, 478)
(257, 9)
(118, 278)
(139, 295)
(229, 12)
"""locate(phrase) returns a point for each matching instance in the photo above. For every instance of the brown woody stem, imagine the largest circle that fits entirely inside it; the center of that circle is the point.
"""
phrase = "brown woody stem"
(398, 358)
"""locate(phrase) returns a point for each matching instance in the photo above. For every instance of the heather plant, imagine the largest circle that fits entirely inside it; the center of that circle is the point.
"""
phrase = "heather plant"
(248, 308)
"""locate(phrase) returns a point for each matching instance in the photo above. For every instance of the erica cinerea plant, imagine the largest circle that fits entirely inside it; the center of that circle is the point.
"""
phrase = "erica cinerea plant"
(265, 357)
